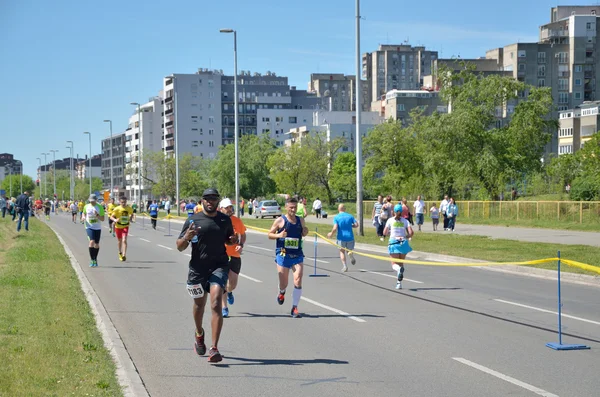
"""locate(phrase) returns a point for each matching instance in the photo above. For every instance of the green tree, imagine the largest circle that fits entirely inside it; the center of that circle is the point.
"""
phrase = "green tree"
(290, 168)
(320, 154)
(28, 184)
(343, 175)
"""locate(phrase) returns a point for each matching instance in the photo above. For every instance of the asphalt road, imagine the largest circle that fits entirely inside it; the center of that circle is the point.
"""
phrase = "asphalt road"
(449, 332)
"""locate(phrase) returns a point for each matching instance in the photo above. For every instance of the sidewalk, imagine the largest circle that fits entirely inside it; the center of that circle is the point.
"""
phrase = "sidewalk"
(554, 236)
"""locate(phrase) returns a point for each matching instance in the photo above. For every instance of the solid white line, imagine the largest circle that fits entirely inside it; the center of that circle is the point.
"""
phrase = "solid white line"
(167, 248)
(131, 235)
(506, 378)
(250, 278)
(143, 239)
(389, 275)
(360, 320)
(547, 311)
(260, 248)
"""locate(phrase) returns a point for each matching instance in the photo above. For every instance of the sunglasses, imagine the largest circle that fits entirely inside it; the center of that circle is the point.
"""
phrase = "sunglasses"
(211, 198)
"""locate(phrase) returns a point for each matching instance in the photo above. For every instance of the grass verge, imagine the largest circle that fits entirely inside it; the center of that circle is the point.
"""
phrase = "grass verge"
(476, 247)
(49, 343)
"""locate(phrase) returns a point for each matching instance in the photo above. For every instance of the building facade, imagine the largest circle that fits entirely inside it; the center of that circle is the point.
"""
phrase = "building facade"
(82, 168)
(9, 166)
(114, 149)
(339, 91)
(576, 126)
(397, 104)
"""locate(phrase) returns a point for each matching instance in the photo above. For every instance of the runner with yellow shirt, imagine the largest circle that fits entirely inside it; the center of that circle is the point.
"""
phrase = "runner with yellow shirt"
(121, 216)
(109, 209)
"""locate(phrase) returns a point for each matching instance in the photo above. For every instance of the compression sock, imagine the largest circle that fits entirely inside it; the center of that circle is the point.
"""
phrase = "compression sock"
(296, 295)
(91, 253)
(96, 250)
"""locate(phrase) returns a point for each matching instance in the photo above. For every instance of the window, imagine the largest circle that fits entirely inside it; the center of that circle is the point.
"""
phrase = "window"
(211, 119)
(565, 149)
(225, 94)
(522, 54)
(400, 107)
(541, 71)
(211, 94)
(211, 83)
(521, 67)
(588, 26)
(211, 143)
(541, 82)
(225, 106)
(266, 119)
(563, 57)
(563, 84)
(292, 120)
(194, 129)
(211, 132)
(278, 119)
(577, 81)
(200, 81)
(211, 106)
(578, 95)
(541, 57)
(563, 97)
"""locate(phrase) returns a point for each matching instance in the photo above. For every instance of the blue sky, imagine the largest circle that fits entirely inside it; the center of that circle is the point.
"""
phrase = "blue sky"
(66, 65)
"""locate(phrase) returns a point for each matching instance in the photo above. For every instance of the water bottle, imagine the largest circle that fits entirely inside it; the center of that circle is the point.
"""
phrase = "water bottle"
(195, 238)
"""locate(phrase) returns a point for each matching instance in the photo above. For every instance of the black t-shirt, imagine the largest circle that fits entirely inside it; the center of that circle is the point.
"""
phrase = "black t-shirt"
(213, 232)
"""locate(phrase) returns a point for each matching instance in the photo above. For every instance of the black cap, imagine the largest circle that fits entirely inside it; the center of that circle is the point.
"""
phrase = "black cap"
(211, 192)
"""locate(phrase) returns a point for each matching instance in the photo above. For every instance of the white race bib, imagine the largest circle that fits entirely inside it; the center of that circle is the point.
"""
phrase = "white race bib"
(292, 243)
(92, 218)
(124, 220)
(195, 291)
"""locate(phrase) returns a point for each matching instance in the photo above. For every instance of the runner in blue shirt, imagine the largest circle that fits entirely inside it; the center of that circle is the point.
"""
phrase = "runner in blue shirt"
(343, 223)
(153, 211)
(189, 208)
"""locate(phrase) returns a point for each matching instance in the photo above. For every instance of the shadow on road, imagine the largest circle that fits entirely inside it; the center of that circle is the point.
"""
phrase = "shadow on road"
(127, 267)
(434, 289)
(279, 361)
(305, 315)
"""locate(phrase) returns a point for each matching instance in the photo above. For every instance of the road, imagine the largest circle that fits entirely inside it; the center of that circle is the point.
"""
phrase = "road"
(449, 332)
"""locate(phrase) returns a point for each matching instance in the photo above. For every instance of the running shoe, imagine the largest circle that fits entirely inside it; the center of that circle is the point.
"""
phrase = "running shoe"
(91, 263)
(398, 284)
(225, 312)
(124, 258)
(345, 268)
(120, 257)
(95, 263)
(230, 298)
(401, 274)
(214, 356)
(353, 260)
(199, 346)
(295, 313)
(281, 298)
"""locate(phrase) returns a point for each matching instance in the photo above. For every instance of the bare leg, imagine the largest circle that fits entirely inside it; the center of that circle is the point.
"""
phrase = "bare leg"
(298, 273)
(198, 312)
(216, 295)
(231, 285)
(124, 246)
(284, 274)
(343, 257)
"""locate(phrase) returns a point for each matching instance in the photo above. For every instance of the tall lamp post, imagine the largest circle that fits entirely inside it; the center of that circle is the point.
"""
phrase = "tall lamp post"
(235, 104)
(21, 175)
(40, 160)
(89, 134)
(359, 189)
(45, 174)
(112, 185)
(139, 197)
(176, 146)
(10, 168)
(54, 169)
(71, 188)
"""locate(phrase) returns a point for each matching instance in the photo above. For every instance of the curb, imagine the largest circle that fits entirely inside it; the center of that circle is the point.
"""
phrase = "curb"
(127, 374)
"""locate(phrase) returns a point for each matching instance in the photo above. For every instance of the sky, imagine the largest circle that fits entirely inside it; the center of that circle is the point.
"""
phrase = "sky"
(67, 65)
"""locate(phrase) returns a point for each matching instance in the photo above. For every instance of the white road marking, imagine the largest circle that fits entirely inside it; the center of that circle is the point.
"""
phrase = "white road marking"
(250, 278)
(392, 276)
(167, 248)
(143, 239)
(131, 235)
(359, 320)
(547, 311)
(260, 248)
(506, 378)
(312, 259)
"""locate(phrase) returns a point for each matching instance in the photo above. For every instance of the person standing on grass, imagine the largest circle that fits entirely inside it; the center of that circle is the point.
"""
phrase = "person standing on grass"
(435, 216)
(343, 223)
(452, 213)
(3, 206)
(317, 206)
(375, 216)
(93, 216)
(419, 207)
(153, 212)
(386, 212)
(400, 232)
(443, 208)
(12, 208)
(168, 206)
(22, 208)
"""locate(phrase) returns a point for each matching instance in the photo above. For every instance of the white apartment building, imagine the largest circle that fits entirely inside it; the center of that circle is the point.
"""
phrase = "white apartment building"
(277, 122)
(144, 133)
(193, 103)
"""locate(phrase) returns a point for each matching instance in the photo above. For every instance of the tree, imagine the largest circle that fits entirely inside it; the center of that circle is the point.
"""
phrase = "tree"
(320, 153)
(28, 184)
(290, 168)
(343, 174)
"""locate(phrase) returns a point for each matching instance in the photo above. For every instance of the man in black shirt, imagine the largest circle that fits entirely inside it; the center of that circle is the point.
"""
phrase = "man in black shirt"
(22, 208)
(207, 231)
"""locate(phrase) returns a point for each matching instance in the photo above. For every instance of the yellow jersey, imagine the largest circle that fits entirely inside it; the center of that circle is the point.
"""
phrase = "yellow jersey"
(123, 215)
(80, 206)
(198, 209)
(110, 207)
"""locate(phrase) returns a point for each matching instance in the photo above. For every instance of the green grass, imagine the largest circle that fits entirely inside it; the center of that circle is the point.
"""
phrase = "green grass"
(475, 247)
(537, 223)
(49, 344)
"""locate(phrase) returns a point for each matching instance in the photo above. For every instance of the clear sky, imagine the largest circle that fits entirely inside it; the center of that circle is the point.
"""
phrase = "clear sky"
(66, 65)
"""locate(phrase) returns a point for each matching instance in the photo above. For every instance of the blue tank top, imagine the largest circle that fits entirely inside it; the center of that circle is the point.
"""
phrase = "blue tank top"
(190, 209)
(292, 244)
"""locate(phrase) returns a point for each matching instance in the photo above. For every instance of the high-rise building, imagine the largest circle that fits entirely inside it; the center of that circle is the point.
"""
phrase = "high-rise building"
(576, 126)
(117, 144)
(396, 67)
(339, 91)
(9, 166)
(82, 168)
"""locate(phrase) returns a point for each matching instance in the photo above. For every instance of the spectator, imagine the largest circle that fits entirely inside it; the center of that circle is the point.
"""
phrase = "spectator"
(513, 193)
(255, 204)
(406, 211)
(250, 206)
(386, 212)
(452, 212)
(435, 216)
(22, 207)
(12, 208)
(317, 206)
(443, 208)
(301, 211)
(568, 188)
(242, 205)
(379, 225)
(168, 206)
(3, 206)
(419, 207)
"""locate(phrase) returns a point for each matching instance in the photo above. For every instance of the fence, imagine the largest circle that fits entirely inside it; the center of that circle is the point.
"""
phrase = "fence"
(583, 212)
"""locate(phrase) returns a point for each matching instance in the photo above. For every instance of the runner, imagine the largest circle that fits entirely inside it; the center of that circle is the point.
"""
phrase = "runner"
(73, 208)
(198, 208)
(109, 209)
(343, 223)
(134, 208)
(207, 231)
(190, 207)
(234, 252)
(400, 231)
(93, 215)
(153, 211)
(47, 208)
(301, 209)
(288, 230)
(121, 216)
(80, 208)
(39, 204)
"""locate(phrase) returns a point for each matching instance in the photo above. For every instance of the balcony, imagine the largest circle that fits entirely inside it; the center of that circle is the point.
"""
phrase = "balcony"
(564, 74)
(588, 74)
(168, 124)
(168, 99)
(169, 148)
(168, 111)
(168, 136)
(553, 33)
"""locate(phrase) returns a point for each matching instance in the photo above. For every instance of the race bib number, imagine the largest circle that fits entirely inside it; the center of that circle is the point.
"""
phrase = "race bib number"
(124, 220)
(92, 219)
(195, 291)
(292, 243)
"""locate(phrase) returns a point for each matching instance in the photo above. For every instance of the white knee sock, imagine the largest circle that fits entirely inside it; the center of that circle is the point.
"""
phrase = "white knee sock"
(296, 296)
(396, 267)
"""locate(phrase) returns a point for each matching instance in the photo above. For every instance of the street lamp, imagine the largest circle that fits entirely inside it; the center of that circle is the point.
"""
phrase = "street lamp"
(176, 146)
(235, 104)
(40, 180)
(54, 169)
(71, 188)
(139, 198)
(45, 174)
(359, 184)
(21, 175)
(89, 134)
(112, 186)
(10, 178)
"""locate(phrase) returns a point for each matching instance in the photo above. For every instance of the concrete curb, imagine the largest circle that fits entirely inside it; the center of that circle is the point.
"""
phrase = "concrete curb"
(127, 374)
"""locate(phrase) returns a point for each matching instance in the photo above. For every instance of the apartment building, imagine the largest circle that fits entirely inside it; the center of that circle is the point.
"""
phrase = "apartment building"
(82, 167)
(9, 166)
(62, 165)
(397, 104)
(339, 91)
(277, 122)
(396, 67)
(143, 134)
(576, 126)
(114, 149)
